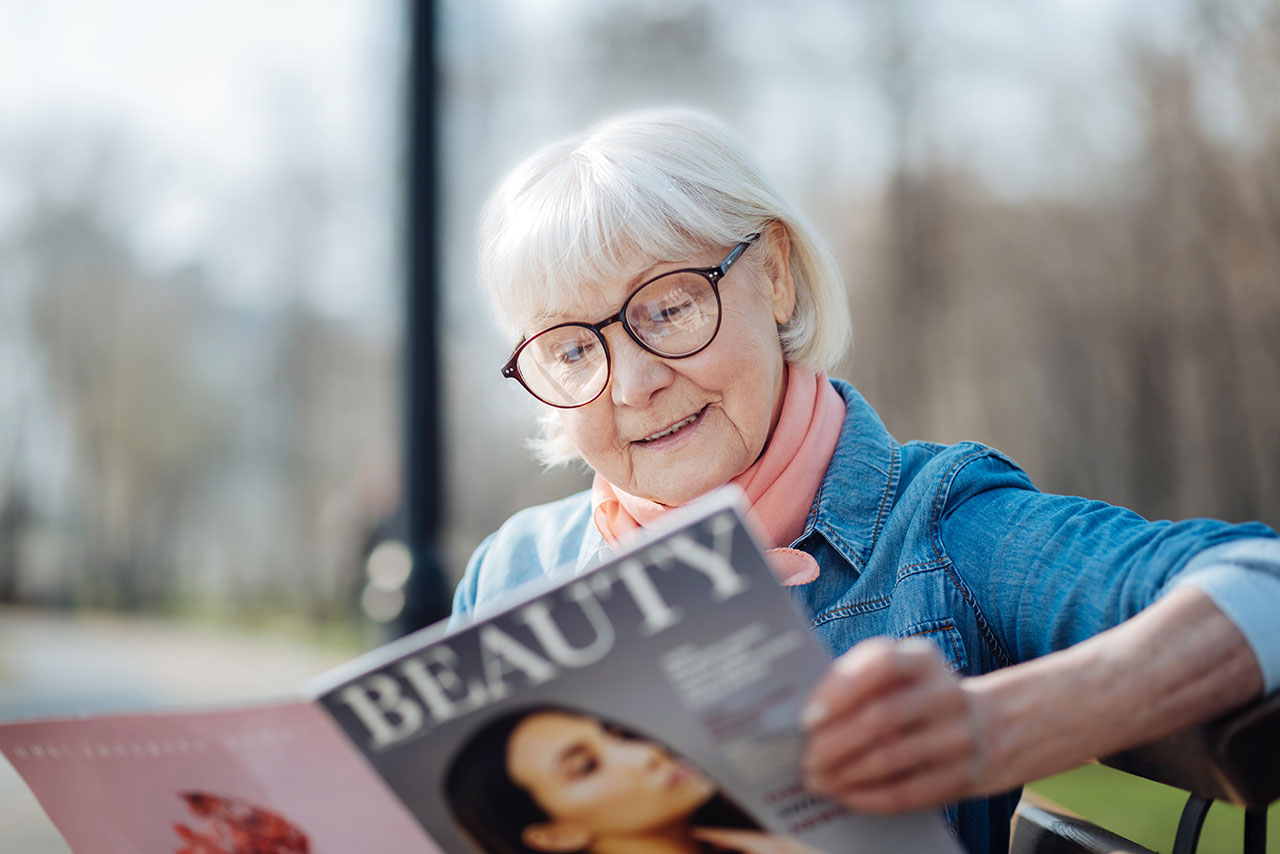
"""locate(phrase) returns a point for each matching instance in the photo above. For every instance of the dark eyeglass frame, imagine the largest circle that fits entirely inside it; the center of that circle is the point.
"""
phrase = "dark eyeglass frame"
(713, 275)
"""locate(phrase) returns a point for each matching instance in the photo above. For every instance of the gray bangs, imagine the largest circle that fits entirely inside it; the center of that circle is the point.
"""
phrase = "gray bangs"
(576, 219)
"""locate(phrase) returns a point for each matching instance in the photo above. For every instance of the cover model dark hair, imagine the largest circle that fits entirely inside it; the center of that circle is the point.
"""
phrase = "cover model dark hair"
(497, 812)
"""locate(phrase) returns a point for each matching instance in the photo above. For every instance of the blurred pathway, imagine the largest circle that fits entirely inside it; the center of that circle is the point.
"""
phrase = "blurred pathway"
(57, 664)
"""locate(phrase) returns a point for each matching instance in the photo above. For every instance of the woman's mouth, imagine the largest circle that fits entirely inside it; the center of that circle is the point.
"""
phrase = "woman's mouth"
(672, 430)
(687, 776)
(679, 776)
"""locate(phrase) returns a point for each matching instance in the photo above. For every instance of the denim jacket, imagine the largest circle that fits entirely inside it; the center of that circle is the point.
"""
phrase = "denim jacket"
(949, 543)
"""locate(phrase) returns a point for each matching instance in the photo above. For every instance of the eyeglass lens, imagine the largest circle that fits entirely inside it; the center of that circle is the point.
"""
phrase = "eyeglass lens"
(674, 315)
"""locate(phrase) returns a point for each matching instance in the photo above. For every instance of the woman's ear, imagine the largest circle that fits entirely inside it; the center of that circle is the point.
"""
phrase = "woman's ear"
(777, 242)
(556, 837)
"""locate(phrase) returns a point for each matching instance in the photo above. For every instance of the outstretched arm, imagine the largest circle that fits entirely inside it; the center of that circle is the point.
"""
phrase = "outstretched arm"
(892, 729)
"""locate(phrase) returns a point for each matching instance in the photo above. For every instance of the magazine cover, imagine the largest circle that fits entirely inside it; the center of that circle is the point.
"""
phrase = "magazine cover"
(269, 780)
(648, 704)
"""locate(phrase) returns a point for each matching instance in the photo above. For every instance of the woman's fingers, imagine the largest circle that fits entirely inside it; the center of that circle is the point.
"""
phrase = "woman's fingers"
(893, 729)
(926, 704)
(895, 757)
(751, 841)
(927, 789)
(865, 671)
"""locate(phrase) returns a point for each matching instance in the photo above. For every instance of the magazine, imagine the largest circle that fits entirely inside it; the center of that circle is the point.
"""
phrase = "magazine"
(652, 699)
(276, 779)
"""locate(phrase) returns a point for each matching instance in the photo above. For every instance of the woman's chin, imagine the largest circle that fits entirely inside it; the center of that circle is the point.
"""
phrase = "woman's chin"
(679, 475)
(676, 491)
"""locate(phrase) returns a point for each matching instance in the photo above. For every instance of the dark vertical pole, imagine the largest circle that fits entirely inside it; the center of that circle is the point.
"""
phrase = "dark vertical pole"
(1255, 830)
(426, 598)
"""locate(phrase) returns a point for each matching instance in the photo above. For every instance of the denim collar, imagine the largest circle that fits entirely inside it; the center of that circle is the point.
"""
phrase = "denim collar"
(860, 485)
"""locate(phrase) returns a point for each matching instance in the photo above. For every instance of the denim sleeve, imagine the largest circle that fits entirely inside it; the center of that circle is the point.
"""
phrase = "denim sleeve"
(1047, 571)
(464, 595)
(1243, 579)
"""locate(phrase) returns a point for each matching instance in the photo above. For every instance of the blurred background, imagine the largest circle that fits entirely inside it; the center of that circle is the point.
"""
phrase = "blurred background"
(228, 433)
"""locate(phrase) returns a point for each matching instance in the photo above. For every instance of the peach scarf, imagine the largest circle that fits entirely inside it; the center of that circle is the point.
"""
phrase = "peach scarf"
(780, 486)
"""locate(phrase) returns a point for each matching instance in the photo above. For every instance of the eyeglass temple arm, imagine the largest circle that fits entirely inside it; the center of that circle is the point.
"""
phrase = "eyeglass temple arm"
(723, 269)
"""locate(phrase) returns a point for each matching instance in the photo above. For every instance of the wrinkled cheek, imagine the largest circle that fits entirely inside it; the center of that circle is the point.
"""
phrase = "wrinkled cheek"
(591, 440)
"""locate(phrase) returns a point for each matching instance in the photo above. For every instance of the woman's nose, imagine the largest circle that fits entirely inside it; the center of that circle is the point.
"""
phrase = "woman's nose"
(636, 375)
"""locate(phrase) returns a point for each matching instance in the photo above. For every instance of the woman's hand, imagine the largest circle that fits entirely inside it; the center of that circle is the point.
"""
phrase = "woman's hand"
(892, 729)
(751, 841)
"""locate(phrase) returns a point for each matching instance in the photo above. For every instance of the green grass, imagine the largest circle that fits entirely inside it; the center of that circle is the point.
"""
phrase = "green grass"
(1148, 812)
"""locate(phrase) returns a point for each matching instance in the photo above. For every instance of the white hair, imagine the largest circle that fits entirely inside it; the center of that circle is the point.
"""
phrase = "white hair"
(643, 187)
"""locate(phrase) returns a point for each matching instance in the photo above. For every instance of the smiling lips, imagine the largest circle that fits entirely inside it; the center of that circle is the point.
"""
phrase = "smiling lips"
(679, 425)
(679, 776)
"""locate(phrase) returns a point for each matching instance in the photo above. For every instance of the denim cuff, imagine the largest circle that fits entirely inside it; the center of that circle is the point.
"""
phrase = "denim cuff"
(1243, 579)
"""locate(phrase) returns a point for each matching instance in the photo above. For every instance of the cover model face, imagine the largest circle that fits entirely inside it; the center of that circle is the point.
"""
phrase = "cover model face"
(595, 782)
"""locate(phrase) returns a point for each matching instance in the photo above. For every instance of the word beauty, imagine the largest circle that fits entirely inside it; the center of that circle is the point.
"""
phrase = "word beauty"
(425, 689)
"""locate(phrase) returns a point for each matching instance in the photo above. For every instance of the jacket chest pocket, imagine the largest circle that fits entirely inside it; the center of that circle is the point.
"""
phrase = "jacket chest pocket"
(944, 635)
(839, 632)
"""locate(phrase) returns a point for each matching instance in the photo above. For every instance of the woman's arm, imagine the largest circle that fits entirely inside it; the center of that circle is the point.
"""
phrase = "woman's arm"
(1044, 572)
(892, 729)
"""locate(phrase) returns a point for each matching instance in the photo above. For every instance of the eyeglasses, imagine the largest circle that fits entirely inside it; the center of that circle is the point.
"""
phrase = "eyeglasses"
(675, 315)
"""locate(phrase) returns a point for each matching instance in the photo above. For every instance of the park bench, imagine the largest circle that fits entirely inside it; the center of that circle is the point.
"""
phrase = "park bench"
(1235, 759)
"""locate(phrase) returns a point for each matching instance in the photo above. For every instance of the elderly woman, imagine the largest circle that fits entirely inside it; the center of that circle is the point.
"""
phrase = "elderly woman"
(676, 316)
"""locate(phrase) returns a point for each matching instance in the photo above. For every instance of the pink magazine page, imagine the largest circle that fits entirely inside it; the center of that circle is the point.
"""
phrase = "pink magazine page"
(267, 780)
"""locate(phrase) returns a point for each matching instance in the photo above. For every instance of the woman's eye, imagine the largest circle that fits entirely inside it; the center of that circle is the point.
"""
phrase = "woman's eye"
(583, 766)
(574, 353)
(676, 311)
(671, 313)
(671, 309)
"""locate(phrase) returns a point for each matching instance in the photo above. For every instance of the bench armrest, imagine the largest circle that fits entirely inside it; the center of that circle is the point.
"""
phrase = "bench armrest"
(1235, 758)
(1041, 826)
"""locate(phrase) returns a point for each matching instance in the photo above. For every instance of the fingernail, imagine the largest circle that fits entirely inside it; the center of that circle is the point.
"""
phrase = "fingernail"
(812, 714)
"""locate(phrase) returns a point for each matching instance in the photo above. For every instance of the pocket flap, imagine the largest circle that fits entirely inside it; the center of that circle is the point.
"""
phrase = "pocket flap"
(945, 635)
